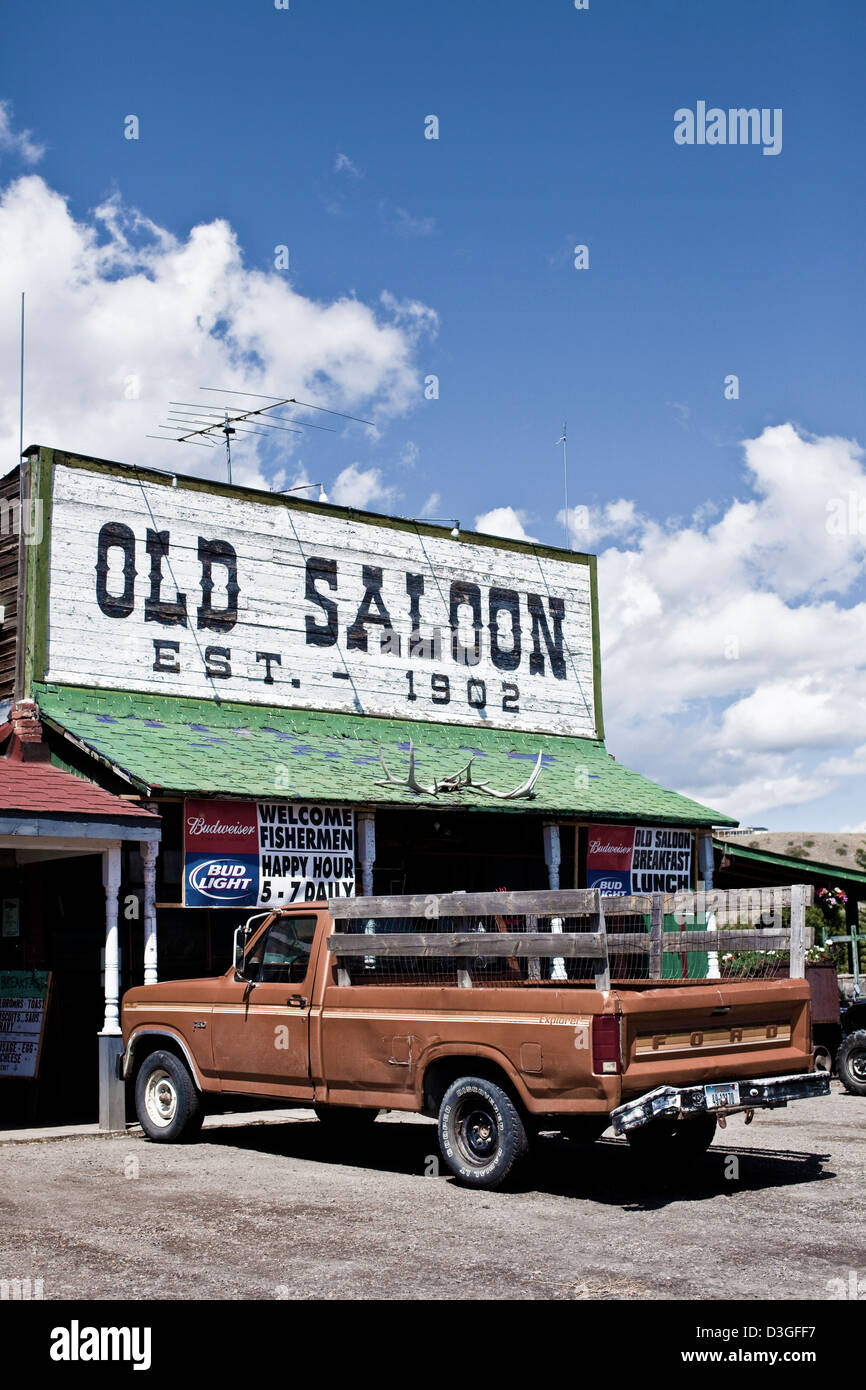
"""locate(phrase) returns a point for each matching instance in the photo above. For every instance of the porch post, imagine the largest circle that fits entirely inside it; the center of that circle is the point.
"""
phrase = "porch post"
(553, 859)
(367, 850)
(149, 851)
(852, 922)
(705, 876)
(797, 940)
(366, 821)
(112, 1092)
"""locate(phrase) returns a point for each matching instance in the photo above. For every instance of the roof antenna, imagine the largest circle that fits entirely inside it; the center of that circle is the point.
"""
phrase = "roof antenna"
(228, 431)
(192, 423)
(21, 389)
(563, 441)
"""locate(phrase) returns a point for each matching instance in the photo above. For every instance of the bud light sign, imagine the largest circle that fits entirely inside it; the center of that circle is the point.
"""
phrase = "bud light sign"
(215, 881)
(221, 854)
(267, 853)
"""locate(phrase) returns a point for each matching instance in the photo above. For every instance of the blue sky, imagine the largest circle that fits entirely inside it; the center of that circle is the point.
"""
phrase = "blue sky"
(305, 127)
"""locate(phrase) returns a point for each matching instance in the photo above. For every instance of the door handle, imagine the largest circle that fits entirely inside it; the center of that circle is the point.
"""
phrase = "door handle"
(296, 1001)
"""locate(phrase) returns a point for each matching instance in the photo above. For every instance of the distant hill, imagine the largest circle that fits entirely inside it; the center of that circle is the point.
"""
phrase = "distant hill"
(839, 850)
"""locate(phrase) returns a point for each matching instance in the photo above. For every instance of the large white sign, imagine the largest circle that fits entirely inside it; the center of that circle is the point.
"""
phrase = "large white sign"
(266, 853)
(184, 591)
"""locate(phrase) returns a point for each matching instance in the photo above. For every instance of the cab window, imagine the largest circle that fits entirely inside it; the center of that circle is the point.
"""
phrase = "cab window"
(282, 954)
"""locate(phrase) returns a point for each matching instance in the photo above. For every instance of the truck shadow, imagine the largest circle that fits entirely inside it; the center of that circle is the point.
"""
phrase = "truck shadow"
(609, 1173)
(606, 1172)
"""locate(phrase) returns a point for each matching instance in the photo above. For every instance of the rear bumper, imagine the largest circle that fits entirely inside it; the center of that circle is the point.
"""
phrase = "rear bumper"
(679, 1102)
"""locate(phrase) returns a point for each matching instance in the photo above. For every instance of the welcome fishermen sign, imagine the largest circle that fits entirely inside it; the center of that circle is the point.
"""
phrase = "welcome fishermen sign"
(182, 587)
(266, 853)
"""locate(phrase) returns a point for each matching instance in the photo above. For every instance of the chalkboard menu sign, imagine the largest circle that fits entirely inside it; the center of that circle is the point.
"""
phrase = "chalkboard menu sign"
(23, 1007)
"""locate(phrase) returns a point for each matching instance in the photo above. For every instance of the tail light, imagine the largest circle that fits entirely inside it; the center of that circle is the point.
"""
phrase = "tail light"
(606, 1055)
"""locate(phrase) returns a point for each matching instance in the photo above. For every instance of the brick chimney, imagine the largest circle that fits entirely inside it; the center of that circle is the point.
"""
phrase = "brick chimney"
(27, 733)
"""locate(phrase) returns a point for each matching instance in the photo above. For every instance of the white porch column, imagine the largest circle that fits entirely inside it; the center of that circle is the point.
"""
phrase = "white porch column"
(112, 1092)
(553, 859)
(149, 850)
(705, 879)
(367, 857)
(367, 850)
(111, 880)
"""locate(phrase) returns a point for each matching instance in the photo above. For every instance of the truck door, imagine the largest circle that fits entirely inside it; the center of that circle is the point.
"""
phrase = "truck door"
(261, 1025)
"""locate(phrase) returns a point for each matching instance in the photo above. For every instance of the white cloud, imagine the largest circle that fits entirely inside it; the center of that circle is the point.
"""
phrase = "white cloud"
(17, 142)
(432, 505)
(415, 317)
(123, 317)
(590, 524)
(362, 487)
(733, 656)
(733, 659)
(344, 165)
(503, 521)
(398, 220)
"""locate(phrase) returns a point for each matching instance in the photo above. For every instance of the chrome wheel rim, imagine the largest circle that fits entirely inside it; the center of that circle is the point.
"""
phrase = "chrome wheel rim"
(160, 1099)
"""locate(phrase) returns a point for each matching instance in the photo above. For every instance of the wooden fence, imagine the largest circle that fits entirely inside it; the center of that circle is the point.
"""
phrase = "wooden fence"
(594, 942)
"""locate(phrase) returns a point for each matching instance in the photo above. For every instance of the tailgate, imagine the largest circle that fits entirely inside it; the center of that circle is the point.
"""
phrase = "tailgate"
(718, 1030)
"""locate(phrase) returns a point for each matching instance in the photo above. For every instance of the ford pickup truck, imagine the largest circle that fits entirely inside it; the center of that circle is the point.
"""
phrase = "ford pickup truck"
(365, 1005)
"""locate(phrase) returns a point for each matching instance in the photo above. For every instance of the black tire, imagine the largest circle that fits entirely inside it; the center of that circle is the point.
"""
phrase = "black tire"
(677, 1141)
(167, 1101)
(822, 1058)
(851, 1062)
(481, 1133)
(345, 1119)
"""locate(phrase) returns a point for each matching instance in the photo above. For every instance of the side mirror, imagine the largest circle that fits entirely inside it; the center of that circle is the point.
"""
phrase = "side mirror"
(239, 948)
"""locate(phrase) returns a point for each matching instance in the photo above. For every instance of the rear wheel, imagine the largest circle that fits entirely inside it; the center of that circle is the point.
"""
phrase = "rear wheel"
(673, 1139)
(481, 1133)
(167, 1103)
(851, 1062)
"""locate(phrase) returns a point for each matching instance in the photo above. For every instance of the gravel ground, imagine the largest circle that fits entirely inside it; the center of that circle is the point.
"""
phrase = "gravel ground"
(274, 1209)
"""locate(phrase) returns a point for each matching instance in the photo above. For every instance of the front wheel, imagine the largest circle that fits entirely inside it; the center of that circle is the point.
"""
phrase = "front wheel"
(167, 1102)
(851, 1062)
(481, 1133)
(673, 1139)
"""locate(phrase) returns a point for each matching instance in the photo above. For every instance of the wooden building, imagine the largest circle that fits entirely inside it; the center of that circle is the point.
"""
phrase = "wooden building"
(314, 701)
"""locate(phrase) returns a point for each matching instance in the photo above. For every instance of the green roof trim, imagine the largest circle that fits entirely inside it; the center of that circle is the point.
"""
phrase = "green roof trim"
(809, 867)
(193, 746)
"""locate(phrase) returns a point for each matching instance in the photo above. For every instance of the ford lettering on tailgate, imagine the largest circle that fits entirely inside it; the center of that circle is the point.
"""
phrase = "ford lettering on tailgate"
(742, 1035)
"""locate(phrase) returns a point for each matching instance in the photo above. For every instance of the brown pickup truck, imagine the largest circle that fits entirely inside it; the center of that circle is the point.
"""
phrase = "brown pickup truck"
(501, 1033)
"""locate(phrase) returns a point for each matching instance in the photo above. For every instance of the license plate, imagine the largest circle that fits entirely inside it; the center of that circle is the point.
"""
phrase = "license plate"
(717, 1097)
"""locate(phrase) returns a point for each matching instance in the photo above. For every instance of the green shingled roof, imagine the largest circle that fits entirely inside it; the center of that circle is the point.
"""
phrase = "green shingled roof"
(197, 746)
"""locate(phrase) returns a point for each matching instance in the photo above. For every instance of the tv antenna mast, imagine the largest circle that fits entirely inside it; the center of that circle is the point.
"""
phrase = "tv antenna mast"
(201, 424)
(564, 442)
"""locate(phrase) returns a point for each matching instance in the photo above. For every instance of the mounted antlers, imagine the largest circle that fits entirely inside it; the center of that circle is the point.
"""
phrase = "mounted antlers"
(457, 782)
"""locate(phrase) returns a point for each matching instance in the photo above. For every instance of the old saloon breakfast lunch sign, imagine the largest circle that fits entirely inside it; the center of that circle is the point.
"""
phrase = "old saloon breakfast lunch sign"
(182, 587)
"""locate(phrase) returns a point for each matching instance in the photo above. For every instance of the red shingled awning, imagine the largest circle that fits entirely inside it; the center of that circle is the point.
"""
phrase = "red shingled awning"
(40, 788)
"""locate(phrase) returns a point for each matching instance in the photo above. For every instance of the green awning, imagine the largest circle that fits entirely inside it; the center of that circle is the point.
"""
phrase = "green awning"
(170, 744)
(802, 869)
